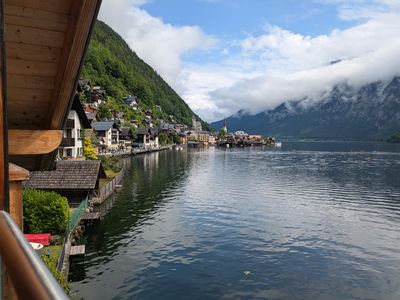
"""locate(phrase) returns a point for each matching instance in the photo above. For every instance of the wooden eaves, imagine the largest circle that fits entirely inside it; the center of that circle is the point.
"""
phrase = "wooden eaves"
(43, 43)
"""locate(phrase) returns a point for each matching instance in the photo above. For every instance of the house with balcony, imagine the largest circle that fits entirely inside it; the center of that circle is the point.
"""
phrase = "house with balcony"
(147, 138)
(126, 138)
(108, 134)
(71, 146)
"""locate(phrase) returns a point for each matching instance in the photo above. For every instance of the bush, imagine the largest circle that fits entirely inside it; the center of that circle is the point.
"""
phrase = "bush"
(59, 276)
(111, 164)
(45, 212)
(89, 149)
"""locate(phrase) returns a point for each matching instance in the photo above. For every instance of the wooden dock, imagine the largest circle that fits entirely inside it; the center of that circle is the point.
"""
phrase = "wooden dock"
(77, 250)
(91, 216)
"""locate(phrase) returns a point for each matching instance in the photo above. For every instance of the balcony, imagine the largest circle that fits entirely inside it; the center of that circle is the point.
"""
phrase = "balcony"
(67, 142)
(70, 124)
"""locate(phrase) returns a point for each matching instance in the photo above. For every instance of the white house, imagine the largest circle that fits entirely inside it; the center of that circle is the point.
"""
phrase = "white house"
(71, 146)
(147, 138)
(108, 133)
(132, 101)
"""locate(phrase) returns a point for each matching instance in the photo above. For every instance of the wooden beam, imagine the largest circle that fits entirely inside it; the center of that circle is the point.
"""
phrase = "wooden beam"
(17, 173)
(58, 6)
(3, 119)
(82, 16)
(29, 52)
(27, 142)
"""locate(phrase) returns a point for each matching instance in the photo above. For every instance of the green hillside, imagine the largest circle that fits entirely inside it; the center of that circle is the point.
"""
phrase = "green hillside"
(111, 64)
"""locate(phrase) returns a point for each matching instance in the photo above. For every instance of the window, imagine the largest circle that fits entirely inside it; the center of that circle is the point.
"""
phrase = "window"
(69, 133)
(79, 134)
(69, 152)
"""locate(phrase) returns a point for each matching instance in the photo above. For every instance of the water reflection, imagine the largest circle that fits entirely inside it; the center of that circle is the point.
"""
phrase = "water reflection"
(305, 224)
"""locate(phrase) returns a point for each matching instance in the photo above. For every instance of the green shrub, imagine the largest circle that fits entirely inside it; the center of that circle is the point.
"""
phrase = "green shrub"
(45, 212)
(51, 264)
(111, 164)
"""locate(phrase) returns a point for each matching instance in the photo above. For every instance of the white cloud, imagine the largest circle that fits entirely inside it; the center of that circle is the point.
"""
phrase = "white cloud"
(158, 43)
(297, 66)
(260, 72)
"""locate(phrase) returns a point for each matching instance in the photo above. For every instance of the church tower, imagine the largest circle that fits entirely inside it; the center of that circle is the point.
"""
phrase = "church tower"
(225, 128)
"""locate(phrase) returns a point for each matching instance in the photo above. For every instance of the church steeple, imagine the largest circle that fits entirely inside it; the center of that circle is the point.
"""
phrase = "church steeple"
(225, 128)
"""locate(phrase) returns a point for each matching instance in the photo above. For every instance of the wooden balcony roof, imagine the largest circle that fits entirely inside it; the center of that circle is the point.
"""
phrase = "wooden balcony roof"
(45, 45)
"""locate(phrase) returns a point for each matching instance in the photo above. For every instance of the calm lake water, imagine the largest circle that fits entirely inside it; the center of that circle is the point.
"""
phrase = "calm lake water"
(308, 221)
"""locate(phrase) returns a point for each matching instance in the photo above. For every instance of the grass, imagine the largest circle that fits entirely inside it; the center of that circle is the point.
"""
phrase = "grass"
(55, 251)
(51, 263)
(111, 174)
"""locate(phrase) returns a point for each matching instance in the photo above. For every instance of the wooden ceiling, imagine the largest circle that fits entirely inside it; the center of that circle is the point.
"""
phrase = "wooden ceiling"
(45, 45)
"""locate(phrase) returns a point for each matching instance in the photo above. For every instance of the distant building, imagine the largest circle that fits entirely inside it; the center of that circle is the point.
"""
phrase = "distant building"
(212, 140)
(196, 124)
(255, 137)
(132, 101)
(192, 135)
(183, 138)
(108, 133)
(166, 127)
(126, 137)
(98, 94)
(71, 146)
(147, 138)
(204, 137)
(92, 116)
(225, 128)
(240, 133)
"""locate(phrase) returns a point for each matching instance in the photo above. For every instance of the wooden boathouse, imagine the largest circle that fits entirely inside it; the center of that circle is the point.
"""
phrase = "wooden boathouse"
(73, 179)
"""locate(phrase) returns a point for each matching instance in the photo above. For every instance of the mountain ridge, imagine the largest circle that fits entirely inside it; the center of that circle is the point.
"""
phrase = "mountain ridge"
(113, 65)
(371, 112)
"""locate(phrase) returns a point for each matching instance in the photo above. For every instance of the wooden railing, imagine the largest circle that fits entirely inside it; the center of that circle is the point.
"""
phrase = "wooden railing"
(107, 189)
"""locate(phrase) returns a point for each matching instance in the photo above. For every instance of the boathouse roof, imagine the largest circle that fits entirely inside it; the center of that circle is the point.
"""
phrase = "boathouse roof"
(68, 175)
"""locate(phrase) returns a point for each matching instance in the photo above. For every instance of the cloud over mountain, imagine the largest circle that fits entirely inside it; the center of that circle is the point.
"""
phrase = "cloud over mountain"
(259, 72)
(297, 66)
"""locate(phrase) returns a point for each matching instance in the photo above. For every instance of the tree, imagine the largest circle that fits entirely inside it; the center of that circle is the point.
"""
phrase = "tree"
(104, 112)
(88, 149)
(222, 133)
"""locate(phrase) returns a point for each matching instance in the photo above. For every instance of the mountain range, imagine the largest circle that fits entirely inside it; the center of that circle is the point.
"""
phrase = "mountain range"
(370, 112)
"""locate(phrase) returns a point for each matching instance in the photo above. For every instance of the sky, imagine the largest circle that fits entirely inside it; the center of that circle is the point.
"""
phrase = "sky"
(222, 56)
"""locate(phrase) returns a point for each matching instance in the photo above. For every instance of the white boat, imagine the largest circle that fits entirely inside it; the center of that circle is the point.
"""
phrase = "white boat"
(278, 144)
(36, 246)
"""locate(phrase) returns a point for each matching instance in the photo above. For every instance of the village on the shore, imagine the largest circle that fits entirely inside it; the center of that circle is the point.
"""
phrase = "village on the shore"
(64, 140)
(87, 168)
(120, 135)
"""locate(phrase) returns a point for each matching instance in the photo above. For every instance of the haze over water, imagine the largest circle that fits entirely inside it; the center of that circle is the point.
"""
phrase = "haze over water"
(310, 221)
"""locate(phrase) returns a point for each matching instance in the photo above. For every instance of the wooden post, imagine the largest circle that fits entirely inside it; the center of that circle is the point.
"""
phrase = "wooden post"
(8, 292)
(3, 119)
(16, 176)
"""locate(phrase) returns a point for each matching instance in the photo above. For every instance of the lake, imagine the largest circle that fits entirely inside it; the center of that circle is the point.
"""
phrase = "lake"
(311, 220)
